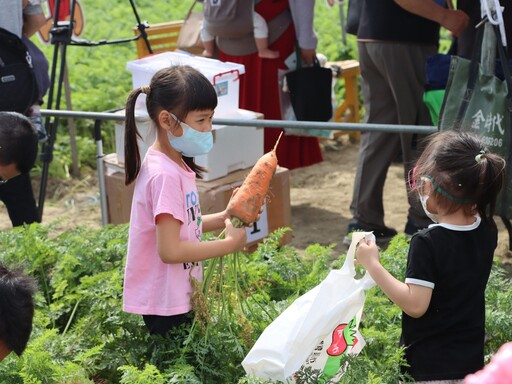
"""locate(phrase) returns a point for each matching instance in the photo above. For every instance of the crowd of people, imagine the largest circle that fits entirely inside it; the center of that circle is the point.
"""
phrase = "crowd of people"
(453, 179)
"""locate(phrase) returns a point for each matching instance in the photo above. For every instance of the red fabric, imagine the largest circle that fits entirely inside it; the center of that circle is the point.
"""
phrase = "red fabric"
(259, 93)
(64, 8)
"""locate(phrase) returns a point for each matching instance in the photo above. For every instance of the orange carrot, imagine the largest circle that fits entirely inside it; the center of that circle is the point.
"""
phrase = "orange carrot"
(245, 205)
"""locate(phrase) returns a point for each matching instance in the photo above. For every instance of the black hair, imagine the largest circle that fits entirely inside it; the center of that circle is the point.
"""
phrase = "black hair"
(178, 89)
(463, 173)
(16, 307)
(18, 141)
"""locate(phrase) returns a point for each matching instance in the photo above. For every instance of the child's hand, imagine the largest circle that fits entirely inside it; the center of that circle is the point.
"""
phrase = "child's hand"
(238, 236)
(226, 214)
(367, 253)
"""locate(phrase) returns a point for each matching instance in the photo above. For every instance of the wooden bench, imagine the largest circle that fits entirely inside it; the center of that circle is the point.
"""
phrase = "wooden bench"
(162, 37)
(349, 110)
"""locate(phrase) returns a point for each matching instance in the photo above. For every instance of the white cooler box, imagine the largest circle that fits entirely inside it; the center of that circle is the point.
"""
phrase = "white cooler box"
(225, 76)
(234, 147)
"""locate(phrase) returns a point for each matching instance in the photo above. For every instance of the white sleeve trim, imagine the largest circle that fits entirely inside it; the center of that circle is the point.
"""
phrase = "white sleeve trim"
(423, 283)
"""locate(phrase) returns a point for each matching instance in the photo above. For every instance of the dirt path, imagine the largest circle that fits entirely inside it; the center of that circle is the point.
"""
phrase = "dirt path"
(320, 198)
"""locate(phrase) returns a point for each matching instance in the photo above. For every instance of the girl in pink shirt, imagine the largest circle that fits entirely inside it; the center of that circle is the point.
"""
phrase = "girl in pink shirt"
(166, 224)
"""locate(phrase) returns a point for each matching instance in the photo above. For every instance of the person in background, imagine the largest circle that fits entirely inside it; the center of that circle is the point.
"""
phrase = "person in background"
(18, 152)
(289, 22)
(457, 182)
(16, 310)
(394, 39)
(33, 20)
(22, 18)
(165, 250)
(466, 41)
(260, 38)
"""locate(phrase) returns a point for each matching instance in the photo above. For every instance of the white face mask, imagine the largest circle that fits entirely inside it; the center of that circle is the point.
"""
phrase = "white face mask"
(431, 216)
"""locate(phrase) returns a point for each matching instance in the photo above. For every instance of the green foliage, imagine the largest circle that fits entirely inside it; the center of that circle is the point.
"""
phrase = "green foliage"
(81, 334)
(149, 375)
(498, 309)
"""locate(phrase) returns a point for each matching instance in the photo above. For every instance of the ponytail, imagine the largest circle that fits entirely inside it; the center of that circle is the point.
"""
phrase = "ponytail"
(132, 159)
(491, 180)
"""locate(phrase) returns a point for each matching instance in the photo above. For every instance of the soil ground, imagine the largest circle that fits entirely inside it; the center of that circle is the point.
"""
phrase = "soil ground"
(320, 199)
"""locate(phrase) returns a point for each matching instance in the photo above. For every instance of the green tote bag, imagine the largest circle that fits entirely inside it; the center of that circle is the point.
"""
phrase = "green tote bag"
(482, 104)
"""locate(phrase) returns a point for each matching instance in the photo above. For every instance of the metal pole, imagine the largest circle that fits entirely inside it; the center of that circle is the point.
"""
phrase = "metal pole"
(99, 116)
(289, 124)
(101, 175)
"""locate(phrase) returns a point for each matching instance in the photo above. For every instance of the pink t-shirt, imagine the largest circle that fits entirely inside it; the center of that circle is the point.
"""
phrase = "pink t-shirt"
(152, 287)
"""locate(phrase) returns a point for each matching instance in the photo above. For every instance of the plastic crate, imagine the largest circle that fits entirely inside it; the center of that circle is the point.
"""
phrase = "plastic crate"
(225, 76)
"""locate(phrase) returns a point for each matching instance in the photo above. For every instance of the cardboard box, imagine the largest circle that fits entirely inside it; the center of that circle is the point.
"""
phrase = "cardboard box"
(234, 147)
(214, 197)
(119, 198)
(224, 76)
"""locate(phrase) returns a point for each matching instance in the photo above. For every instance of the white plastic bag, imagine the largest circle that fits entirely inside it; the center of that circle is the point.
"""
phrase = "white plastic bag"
(309, 332)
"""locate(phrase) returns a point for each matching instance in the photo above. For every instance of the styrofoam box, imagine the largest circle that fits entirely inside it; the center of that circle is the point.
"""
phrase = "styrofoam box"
(225, 76)
(234, 147)
(147, 133)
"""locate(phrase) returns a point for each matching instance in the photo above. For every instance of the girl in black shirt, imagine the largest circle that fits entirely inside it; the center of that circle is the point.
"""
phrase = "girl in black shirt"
(443, 296)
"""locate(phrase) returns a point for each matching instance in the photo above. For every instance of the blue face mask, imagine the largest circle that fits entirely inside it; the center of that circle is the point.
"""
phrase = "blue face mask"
(191, 143)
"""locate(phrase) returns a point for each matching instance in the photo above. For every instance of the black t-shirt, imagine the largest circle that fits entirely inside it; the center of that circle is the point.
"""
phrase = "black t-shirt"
(386, 21)
(447, 342)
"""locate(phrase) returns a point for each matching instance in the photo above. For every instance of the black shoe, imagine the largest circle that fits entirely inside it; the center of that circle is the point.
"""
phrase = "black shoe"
(411, 228)
(382, 234)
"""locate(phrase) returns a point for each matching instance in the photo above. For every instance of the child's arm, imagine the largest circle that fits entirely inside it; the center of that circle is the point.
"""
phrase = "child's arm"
(452, 19)
(174, 250)
(33, 19)
(214, 221)
(411, 298)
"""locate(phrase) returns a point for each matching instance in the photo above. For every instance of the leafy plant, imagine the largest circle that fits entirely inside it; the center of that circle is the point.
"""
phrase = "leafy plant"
(149, 375)
(81, 334)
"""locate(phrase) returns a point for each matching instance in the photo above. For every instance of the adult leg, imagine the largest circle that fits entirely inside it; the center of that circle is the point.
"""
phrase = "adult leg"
(409, 62)
(389, 100)
(18, 197)
(377, 149)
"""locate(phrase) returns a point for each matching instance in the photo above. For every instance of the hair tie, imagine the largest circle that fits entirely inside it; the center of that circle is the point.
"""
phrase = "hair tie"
(478, 158)
(145, 89)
